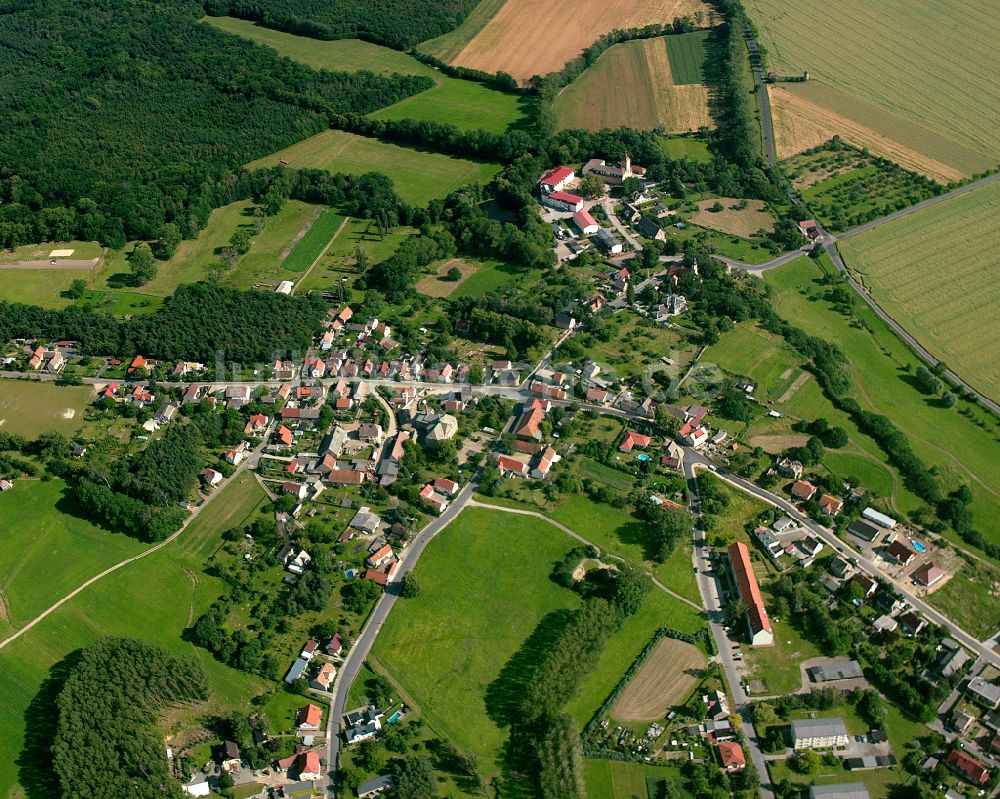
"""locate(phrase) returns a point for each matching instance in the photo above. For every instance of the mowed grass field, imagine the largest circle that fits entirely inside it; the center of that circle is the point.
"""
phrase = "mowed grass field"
(635, 84)
(934, 71)
(466, 104)
(550, 34)
(614, 779)
(956, 317)
(665, 679)
(960, 449)
(29, 409)
(154, 599)
(309, 247)
(45, 552)
(419, 176)
(486, 586)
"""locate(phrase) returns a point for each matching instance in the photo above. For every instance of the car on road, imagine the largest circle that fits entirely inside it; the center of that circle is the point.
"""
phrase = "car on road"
(713, 467)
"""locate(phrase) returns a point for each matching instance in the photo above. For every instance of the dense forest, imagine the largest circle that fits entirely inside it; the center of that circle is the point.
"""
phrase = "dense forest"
(200, 322)
(118, 117)
(106, 742)
(396, 23)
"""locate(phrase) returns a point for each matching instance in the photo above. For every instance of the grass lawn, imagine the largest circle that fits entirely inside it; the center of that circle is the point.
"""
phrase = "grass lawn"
(30, 409)
(677, 572)
(965, 449)
(489, 276)
(778, 665)
(312, 243)
(615, 779)
(611, 528)
(679, 147)
(969, 599)
(486, 586)
(419, 176)
(82, 251)
(748, 351)
(154, 598)
(633, 344)
(39, 532)
(591, 469)
(42, 287)
(658, 610)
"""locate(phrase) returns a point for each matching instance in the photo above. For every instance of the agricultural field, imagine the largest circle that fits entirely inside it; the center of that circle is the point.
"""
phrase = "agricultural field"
(955, 319)
(637, 84)
(963, 442)
(615, 779)
(921, 82)
(664, 680)
(307, 249)
(39, 530)
(742, 218)
(486, 586)
(550, 34)
(30, 409)
(156, 597)
(844, 187)
(448, 45)
(419, 176)
(466, 104)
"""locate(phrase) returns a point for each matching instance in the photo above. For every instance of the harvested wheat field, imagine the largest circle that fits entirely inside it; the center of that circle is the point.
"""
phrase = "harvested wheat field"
(631, 84)
(732, 219)
(928, 70)
(526, 38)
(801, 123)
(666, 678)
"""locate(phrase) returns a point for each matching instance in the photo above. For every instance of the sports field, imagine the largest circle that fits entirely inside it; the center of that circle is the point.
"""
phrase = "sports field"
(30, 409)
(419, 176)
(640, 84)
(955, 443)
(466, 104)
(665, 679)
(154, 598)
(486, 585)
(931, 74)
(550, 34)
(955, 318)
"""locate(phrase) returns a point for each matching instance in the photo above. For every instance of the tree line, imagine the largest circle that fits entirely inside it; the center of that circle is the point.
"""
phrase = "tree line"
(107, 742)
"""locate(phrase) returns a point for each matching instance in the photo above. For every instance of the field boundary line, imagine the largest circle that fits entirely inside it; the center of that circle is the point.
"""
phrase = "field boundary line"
(312, 266)
(472, 503)
(121, 564)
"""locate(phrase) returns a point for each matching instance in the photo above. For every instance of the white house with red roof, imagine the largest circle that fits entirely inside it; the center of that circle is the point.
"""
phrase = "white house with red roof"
(555, 179)
(308, 718)
(256, 424)
(633, 441)
(324, 677)
(586, 223)
(563, 201)
(511, 467)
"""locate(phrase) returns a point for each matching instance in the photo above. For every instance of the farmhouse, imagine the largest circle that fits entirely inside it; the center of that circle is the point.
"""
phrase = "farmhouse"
(757, 619)
(586, 224)
(810, 229)
(555, 179)
(819, 734)
(648, 229)
(563, 201)
(614, 174)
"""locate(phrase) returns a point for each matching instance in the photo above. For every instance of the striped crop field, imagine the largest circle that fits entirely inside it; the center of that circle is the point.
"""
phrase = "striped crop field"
(923, 78)
(633, 84)
(935, 271)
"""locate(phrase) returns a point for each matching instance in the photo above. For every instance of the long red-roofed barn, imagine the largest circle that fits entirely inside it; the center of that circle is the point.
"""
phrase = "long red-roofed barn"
(757, 619)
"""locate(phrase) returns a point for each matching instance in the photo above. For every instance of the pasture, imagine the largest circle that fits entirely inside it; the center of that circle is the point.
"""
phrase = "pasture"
(633, 84)
(419, 176)
(616, 779)
(29, 408)
(486, 586)
(664, 680)
(42, 287)
(742, 218)
(882, 366)
(466, 104)
(550, 34)
(925, 81)
(155, 598)
(488, 276)
(955, 319)
(308, 248)
(40, 530)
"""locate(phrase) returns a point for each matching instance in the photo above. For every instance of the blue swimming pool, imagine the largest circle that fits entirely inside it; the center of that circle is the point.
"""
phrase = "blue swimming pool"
(643, 457)
(393, 718)
(919, 547)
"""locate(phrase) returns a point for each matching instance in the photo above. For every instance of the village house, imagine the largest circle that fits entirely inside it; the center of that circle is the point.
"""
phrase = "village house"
(238, 454)
(867, 584)
(256, 424)
(362, 724)
(634, 440)
(432, 499)
(380, 557)
(731, 756)
(649, 229)
(563, 201)
(985, 693)
(672, 305)
(789, 468)
(967, 767)
(324, 677)
(810, 229)
(211, 478)
(585, 223)
(831, 505)
(308, 718)
(376, 786)
(900, 552)
(929, 574)
(335, 646)
(511, 467)
(803, 489)
(543, 464)
(607, 241)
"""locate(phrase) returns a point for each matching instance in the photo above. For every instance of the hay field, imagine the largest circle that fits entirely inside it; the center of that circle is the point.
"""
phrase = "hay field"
(631, 84)
(732, 219)
(419, 176)
(526, 38)
(664, 680)
(802, 122)
(933, 69)
(955, 318)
